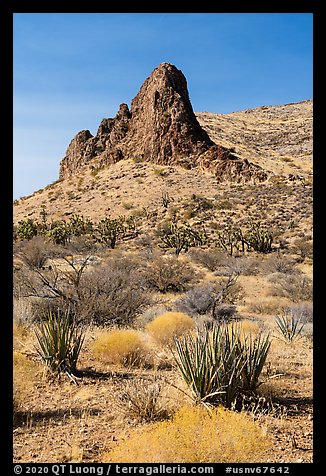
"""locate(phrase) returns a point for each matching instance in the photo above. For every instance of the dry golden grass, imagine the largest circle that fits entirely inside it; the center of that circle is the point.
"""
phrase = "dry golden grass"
(122, 346)
(25, 375)
(195, 435)
(169, 325)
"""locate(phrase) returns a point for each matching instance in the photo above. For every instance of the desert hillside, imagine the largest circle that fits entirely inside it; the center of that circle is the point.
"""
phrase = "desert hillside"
(275, 137)
(163, 289)
(279, 138)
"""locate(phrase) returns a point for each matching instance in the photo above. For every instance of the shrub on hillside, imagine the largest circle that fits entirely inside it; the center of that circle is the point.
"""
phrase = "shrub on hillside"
(167, 273)
(169, 325)
(296, 286)
(35, 252)
(112, 295)
(211, 258)
(195, 435)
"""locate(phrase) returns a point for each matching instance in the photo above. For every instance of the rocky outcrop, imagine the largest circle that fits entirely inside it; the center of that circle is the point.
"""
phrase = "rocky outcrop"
(164, 128)
(160, 127)
(221, 162)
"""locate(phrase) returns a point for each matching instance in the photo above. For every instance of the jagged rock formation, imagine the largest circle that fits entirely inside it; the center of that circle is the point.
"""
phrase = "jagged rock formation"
(160, 127)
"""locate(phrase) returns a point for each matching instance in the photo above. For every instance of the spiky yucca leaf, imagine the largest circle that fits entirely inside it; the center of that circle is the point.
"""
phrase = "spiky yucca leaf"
(255, 349)
(211, 364)
(60, 341)
(289, 327)
(219, 364)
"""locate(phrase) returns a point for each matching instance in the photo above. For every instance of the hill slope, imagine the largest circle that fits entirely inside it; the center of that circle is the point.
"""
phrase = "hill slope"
(279, 138)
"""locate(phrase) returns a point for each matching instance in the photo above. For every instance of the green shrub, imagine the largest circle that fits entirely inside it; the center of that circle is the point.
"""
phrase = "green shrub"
(26, 229)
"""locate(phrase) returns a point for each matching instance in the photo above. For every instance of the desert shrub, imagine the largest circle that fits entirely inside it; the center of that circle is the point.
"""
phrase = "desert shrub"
(296, 287)
(210, 258)
(83, 244)
(216, 299)
(278, 264)
(35, 252)
(25, 375)
(302, 311)
(141, 400)
(167, 273)
(59, 343)
(225, 312)
(196, 205)
(169, 325)
(23, 313)
(112, 294)
(304, 247)
(194, 435)
(249, 326)
(244, 265)
(198, 300)
(126, 347)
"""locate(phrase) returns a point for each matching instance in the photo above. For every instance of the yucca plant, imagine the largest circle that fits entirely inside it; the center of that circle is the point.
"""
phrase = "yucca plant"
(289, 327)
(60, 341)
(254, 350)
(211, 364)
(140, 399)
(229, 360)
(219, 364)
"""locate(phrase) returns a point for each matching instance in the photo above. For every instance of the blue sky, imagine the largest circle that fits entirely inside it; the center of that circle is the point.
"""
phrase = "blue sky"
(73, 69)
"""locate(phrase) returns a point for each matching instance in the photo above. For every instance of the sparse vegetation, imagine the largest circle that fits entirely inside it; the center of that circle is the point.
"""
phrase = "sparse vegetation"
(168, 274)
(195, 435)
(141, 400)
(186, 248)
(181, 237)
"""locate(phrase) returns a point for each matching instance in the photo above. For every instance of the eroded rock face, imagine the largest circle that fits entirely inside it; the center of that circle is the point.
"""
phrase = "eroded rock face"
(227, 167)
(164, 128)
(160, 127)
